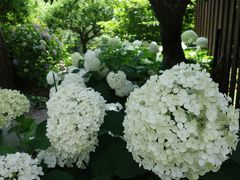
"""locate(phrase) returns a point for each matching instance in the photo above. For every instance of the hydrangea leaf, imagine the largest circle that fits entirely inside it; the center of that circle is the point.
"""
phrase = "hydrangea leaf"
(112, 158)
(113, 123)
(7, 150)
(57, 174)
(41, 140)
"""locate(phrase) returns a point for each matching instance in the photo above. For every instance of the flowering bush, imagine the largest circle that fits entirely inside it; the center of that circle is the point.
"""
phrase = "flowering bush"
(34, 50)
(179, 125)
(19, 166)
(13, 104)
(125, 64)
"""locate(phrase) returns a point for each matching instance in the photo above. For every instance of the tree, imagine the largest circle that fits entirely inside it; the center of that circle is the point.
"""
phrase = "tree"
(16, 11)
(133, 19)
(80, 16)
(6, 76)
(170, 14)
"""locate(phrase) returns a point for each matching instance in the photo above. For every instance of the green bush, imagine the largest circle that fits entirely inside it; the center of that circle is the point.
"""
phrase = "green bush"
(34, 50)
(132, 20)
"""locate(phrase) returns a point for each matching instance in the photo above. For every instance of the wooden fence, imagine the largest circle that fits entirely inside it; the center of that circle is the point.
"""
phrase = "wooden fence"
(219, 21)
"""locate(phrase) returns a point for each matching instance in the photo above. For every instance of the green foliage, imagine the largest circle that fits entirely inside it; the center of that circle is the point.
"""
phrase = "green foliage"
(199, 56)
(16, 11)
(34, 50)
(132, 20)
(112, 158)
(189, 16)
(58, 174)
(37, 102)
(41, 140)
(79, 16)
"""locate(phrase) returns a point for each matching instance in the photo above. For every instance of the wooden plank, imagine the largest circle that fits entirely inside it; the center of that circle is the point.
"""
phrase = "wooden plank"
(235, 59)
(222, 58)
(211, 28)
(228, 45)
(215, 25)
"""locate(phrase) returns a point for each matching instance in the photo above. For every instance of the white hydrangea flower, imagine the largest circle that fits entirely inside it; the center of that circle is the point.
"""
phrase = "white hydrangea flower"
(179, 125)
(70, 78)
(153, 47)
(189, 37)
(114, 42)
(19, 166)
(202, 42)
(52, 157)
(91, 62)
(50, 77)
(76, 57)
(116, 80)
(125, 90)
(137, 43)
(12, 105)
(75, 116)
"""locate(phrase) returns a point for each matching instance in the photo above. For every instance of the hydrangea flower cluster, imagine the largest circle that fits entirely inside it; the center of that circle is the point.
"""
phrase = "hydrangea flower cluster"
(52, 77)
(52, 157)
(66, 78)
(76, 57)
(153, 47)
(202, 42)
(75, 116)
(119, 83)
(179, 125)
(91, 61)
(19, 166)
(189, 37)
(12, 105)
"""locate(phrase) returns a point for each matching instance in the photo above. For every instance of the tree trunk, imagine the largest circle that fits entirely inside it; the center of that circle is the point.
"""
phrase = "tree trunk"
(170, 16)
(6, 73)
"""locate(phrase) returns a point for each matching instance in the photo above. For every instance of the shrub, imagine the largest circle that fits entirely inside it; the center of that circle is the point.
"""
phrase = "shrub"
(34, 50)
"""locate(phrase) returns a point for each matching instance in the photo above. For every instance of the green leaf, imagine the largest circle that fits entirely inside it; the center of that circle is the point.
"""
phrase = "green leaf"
(7, 150)
(1, 137)
(41, 140)
(113, 123)
(102, 178)
(58, 175)
(112, 158)
(236, 154)
(25, 124)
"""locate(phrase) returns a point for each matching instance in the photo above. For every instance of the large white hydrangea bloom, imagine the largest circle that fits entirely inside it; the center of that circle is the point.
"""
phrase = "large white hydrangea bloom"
(75, 116)
(50, 77)
(153, 47)
(189, 37)
(137, 43)
(91, 61)
(202, 42)
(116, 80)
(114, 42)
(179, 125)
(19, 166)
(12, 105)
(76, 57)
